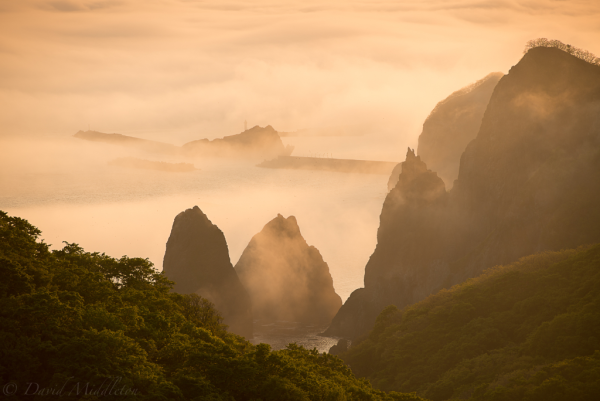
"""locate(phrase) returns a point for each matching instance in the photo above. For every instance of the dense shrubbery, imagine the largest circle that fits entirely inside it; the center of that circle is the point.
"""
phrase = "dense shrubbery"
(527, 331)
(575, 51)
(78, 323)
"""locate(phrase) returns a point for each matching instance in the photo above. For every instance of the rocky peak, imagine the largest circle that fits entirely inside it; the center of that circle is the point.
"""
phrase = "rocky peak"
(280, 226)
(417, 184)
(286, 278)
(197, 260)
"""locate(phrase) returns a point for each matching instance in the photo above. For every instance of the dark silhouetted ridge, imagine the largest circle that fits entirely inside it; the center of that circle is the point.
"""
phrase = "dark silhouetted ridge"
(529, 182)
(197, 260)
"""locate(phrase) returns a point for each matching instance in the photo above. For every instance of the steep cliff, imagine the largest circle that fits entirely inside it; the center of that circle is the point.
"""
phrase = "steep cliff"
(408, 248)
(257, 142)
(452, 124)
(286, 278)
(197, 260)
(529, 182)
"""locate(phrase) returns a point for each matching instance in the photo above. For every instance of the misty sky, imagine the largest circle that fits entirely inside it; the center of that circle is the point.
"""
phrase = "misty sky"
(178, 70)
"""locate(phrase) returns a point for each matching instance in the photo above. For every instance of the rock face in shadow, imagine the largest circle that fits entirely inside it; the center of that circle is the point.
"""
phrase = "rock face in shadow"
(394, 176)
(286, 278)
(257, 142)
(453, 123)
(339, 348)
(197, 260)
(529, 182)
(408, 233)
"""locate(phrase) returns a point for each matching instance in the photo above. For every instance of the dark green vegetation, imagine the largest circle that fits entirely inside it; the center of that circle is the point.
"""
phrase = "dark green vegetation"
(72, 320)
(526, 331)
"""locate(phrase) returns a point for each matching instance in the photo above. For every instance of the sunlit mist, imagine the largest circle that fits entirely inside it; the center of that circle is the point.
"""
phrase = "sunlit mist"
(179, 71)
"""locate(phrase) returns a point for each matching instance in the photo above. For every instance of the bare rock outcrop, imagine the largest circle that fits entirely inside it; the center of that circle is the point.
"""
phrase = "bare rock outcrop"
(197, 260)
(406, 252)
(286, 278)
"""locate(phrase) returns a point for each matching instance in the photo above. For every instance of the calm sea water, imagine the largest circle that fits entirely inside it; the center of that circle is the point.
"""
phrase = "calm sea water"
(68, 190)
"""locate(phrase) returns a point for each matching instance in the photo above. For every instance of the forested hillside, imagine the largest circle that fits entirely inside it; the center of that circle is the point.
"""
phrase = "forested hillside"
(526, 331)
(75, 324)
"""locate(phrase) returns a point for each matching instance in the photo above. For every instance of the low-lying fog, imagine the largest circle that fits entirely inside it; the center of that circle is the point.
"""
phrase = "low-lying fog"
(67, 188)
(177, 71)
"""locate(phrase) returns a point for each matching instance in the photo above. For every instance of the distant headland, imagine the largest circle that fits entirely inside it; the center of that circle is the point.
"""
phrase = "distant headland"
(256, 142)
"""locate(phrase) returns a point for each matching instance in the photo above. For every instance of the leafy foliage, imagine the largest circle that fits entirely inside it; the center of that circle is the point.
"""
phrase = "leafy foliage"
(72, 321)
(527, 331)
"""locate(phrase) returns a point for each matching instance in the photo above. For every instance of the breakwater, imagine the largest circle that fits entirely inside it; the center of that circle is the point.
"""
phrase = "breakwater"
(327, 164)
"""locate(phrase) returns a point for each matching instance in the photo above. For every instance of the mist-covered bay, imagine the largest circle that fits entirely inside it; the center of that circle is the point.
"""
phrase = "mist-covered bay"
(69, 189)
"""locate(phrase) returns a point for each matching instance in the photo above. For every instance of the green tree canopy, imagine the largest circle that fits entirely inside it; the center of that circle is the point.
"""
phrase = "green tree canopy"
(80, 324)
(527, 331)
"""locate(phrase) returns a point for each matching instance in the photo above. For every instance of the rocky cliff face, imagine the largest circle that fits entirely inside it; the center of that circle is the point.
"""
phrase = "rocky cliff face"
(407, 251)
(453, 123)
(286, 278)
(256, 142)
(197, 260)
(529, 182)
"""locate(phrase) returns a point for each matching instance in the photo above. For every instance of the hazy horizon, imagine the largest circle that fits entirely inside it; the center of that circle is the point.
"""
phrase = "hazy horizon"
(182, 70)
(176, 71)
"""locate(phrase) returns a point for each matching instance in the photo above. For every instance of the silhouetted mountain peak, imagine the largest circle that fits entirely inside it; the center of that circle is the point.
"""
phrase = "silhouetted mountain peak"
(195, 221)
(197, 260)
(549, 67)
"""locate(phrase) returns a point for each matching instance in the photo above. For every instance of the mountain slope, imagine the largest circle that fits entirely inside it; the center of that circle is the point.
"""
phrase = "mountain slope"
(449, 128)
(453, 123)
(525, 331)
(529, 182)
